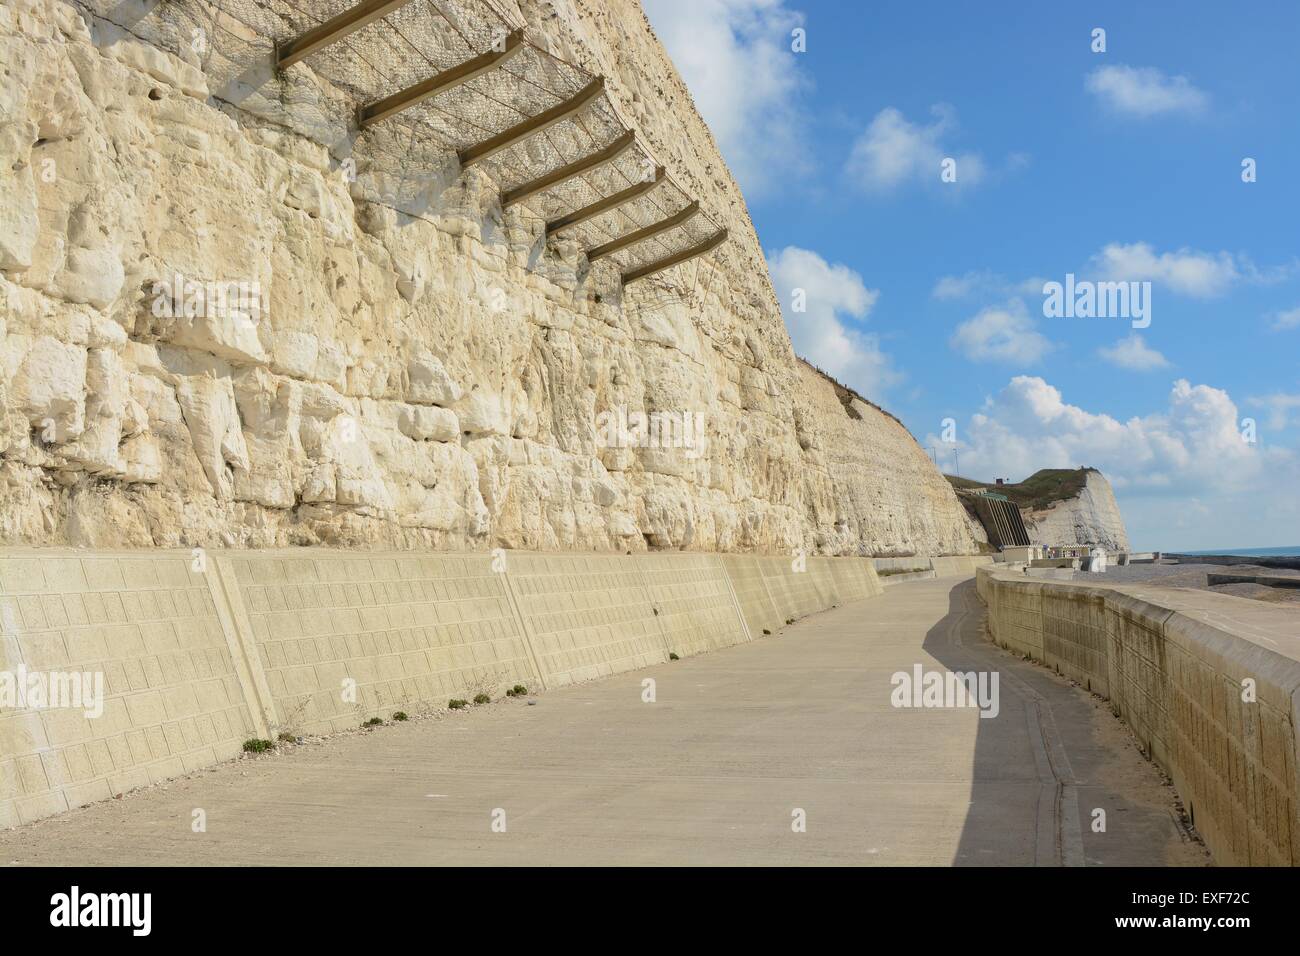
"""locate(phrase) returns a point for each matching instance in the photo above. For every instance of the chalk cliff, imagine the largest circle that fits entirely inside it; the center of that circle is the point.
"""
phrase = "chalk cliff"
(878, 484)
(419, 368)
(1091, 516)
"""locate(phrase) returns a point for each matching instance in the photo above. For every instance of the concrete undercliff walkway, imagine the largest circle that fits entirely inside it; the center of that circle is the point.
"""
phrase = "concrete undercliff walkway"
(712, 772)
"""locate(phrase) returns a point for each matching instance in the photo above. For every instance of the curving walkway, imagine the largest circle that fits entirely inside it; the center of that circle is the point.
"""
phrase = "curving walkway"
(710, 773)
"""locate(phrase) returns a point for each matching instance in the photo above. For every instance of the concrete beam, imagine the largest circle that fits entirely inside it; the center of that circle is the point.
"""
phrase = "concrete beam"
(591, 210)
(533, 125)
(717, 239)
(331, 31)
(458, 75)
(632, 238)
(564, 173)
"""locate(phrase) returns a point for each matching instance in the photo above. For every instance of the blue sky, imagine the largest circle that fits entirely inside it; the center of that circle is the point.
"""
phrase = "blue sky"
(1122, 165)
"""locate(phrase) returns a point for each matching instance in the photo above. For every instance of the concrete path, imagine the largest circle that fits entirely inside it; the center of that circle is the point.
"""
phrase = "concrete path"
(712, 772)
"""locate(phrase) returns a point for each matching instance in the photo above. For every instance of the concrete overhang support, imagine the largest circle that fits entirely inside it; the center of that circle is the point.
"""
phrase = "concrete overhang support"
(663, 225)
(533, 125)
(449, 79)
(333, 30)
(569, 220)
(557, 176)
(715, 240)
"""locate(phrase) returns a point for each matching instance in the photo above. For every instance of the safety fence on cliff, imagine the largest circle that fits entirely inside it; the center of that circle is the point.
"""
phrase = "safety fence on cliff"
(417, 91)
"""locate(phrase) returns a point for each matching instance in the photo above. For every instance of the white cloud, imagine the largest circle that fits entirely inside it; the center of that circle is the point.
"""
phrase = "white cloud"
(984, 282)
(1163, 465)
(1279, 405)
(893, 151)
(1194, 443)
(1134, 354)
(1290, 319)
(819, 333)
(1188, 272)
(1185, 271)
(961, 287)
(1144, 91)
(1001, 334)
(735, 57)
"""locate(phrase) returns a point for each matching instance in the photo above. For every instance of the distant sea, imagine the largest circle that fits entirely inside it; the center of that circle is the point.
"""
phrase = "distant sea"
(1286, 551)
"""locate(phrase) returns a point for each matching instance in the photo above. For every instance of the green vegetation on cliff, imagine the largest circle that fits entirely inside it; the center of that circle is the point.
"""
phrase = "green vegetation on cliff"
(1041, 489)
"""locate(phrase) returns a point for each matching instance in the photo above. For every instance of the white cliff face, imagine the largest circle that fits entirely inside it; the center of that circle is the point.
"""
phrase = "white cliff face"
(1092, 517)
(431, 378)
(869, 480)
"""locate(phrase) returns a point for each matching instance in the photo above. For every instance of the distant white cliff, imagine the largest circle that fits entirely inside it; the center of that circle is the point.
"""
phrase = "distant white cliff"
(1090, 517)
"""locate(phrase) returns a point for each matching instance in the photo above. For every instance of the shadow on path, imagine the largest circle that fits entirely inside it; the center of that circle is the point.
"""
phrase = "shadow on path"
(1051, 758)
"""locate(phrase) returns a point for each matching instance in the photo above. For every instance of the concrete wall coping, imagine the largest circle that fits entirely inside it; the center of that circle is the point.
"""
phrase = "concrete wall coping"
(1274, 628)
(1209, 683)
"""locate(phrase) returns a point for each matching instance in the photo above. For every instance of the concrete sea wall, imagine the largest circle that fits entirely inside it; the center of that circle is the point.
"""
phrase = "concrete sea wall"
(1209, 684)
(1289, 562)
(200, 651)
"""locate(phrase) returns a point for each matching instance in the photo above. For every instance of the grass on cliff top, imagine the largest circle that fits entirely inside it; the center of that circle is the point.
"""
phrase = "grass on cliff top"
(1039, 490)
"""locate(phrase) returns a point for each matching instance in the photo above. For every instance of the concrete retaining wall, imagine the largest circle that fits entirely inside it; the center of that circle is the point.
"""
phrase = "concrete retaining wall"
(961, 565)
(942, 566)
(697, 606)
(1290, 562)
(794, 594)
(586, 616)
(853, 579)
(200, 651)
(891, 579)
(404, 626)
(1266, 580)
(172, 693)
(920, 562)
(752, 594)
(1173, 664)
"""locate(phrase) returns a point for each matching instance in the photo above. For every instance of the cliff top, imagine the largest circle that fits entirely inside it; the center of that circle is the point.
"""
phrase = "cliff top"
(1040, 490)
(847, 395)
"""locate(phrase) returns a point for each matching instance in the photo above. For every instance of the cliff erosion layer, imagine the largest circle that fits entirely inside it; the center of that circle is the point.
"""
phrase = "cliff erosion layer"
(417, 367)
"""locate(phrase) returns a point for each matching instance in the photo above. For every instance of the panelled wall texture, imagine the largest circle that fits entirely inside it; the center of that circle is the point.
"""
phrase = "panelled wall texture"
(173, 699)
(1208, 683)
(202, 651)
